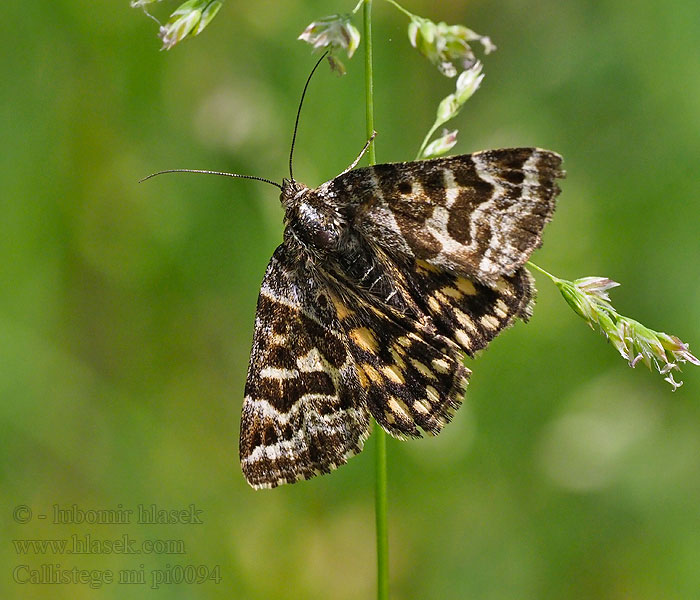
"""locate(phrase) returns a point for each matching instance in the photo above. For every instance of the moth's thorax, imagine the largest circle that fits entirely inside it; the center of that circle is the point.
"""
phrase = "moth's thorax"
(311, 218)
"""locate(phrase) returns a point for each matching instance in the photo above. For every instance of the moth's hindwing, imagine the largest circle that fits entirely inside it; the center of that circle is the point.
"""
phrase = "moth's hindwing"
(413, 377)
(409, 345)
(480, 215)
(468, 312)
(304, 411)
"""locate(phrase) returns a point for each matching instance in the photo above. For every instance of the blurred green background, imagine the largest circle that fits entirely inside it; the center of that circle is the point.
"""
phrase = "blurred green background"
(126, 310)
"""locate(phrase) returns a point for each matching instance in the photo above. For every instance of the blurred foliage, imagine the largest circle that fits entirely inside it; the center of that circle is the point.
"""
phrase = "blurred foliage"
(126, 310)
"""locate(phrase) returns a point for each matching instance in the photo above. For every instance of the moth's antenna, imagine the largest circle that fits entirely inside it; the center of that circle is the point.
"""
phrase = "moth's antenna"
(301, 102)
(212, 173)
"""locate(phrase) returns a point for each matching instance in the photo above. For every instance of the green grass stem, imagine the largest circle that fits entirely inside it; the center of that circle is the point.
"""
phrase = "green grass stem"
(380, 493)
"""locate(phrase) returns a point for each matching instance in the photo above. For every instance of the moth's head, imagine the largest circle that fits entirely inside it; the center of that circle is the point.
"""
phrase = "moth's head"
(292, 192)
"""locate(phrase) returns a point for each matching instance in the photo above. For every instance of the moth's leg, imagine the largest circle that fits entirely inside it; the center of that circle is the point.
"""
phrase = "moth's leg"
(362, 153)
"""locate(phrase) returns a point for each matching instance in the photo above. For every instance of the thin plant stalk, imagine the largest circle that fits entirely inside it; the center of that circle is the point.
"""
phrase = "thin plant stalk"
(369, 80)
(426, 139)
(381, 513)
(540, 269)
(380, 490)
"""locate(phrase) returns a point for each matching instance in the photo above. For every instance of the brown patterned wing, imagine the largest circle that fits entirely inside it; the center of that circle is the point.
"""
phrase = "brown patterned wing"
(468, 312)
(479, 215)
(410, 365)
(409, 326)
(413, 377)
(409, 332)
(304, 411)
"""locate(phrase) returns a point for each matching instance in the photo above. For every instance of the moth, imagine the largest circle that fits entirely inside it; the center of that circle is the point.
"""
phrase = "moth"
(387, 277)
